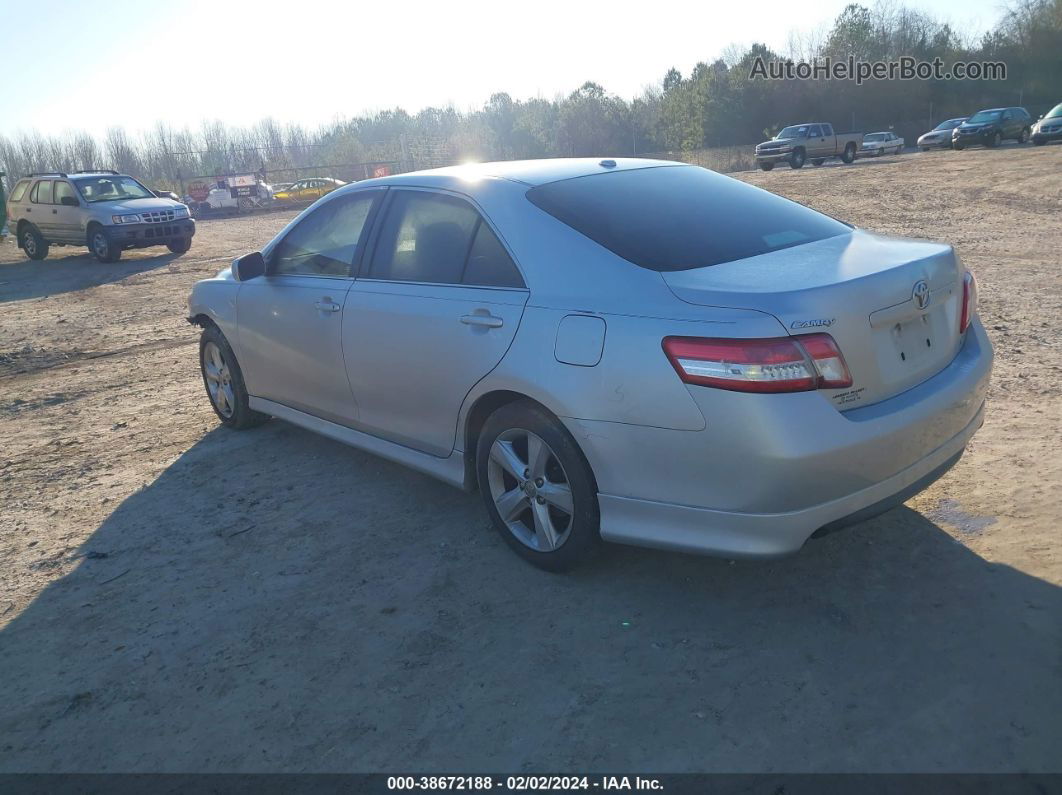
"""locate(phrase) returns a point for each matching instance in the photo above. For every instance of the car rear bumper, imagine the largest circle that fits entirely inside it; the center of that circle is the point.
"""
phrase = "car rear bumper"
(142, 235)
(765, 475)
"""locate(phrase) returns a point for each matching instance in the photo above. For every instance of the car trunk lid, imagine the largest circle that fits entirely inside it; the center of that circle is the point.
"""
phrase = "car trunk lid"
(892, 305)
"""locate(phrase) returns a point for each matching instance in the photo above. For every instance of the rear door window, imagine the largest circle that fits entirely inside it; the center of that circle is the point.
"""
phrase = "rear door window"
(489, 264)
(42, 192)
(426, 237)
(673, 218)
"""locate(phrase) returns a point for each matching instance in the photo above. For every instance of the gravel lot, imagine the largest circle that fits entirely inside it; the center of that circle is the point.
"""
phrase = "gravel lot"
(176, 597)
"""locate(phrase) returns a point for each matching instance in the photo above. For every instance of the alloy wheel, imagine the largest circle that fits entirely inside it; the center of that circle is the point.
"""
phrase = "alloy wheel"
(530, 490)
(29, 244)
(218, 380)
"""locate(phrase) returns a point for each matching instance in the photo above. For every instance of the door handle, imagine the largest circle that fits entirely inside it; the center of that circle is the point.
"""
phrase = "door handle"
(55, 212)
(326, 306)
(488, 321)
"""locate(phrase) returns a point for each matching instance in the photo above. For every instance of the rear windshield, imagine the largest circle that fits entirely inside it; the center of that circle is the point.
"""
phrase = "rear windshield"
(674, 218)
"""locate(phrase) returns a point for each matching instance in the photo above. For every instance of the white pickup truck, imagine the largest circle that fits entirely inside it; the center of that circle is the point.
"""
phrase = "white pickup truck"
(814, 141)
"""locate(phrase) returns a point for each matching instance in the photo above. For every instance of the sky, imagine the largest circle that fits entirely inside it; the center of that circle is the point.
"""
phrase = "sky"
(119, 63)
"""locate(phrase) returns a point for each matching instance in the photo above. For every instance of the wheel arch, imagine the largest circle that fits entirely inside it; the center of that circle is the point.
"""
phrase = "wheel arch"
(480, 408)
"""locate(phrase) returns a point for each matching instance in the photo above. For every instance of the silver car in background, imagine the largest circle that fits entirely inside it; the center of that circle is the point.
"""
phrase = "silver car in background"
(939, 135)
(637, 351)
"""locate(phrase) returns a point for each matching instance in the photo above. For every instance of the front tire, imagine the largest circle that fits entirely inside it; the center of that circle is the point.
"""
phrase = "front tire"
(224, 384)
(766, 166)
(796, 160)
(102, 247)
(180, 245)
(538, 487)
(33, 243)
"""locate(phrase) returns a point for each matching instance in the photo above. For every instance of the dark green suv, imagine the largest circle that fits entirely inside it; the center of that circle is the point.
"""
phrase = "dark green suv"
(993, 126)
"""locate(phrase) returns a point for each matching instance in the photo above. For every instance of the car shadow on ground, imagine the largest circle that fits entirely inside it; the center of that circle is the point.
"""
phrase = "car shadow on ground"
(276, 601)
(68, 270)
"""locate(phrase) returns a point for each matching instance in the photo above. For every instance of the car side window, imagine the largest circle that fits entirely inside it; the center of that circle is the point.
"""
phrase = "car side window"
(425, 237)
(814, 131)
(42, 192)
(19, 191)
(489, 264)
(62, 190)
(325, 241)
(827, 130)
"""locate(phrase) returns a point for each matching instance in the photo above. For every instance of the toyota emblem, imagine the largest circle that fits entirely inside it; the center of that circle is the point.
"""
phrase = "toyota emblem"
(920, 294)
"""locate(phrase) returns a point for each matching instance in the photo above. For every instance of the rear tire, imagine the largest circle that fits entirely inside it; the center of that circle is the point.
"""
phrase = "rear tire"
(996, 140)
(180, 245)
(530, 467)
(925, 148)
(223, 381)
(33, 243)
(849, 154)
(1023, 137)
(796, 160)
(101, 245)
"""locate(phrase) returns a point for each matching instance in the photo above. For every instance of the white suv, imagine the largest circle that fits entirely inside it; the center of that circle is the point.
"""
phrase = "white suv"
(104, 210)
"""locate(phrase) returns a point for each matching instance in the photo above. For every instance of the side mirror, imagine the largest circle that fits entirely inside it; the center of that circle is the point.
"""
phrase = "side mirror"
(249, 266)
(70, 201)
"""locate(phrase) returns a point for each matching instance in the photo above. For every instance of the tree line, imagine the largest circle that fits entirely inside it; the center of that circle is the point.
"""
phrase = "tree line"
(717, 104)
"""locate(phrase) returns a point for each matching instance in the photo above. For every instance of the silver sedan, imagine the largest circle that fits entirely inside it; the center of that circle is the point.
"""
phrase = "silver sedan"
(630, 350)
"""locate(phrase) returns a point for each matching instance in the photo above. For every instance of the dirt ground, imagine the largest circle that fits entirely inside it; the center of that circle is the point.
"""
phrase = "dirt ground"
(176, 597)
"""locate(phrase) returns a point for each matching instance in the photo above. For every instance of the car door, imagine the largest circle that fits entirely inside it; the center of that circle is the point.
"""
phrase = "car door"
(433, 310)
(67, 217)
(39, 210)
(289, 321)
(816, 141)
(1007, 124)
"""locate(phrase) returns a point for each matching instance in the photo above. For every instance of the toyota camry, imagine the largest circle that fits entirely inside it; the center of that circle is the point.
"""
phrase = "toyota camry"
(634, 351)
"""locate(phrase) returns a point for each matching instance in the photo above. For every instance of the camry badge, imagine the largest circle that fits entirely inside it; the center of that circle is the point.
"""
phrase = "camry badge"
(819, 323)
(920, 294)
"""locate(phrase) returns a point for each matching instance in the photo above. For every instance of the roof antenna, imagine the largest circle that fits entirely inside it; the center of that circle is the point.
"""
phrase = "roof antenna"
(608, 163)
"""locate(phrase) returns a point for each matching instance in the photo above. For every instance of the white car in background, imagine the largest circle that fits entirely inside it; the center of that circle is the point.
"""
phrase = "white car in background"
(879, 143)
(222, 199)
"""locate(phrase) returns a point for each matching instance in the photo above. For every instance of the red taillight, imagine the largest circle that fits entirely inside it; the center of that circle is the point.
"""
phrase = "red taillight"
(782, 364)
(969, 301)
